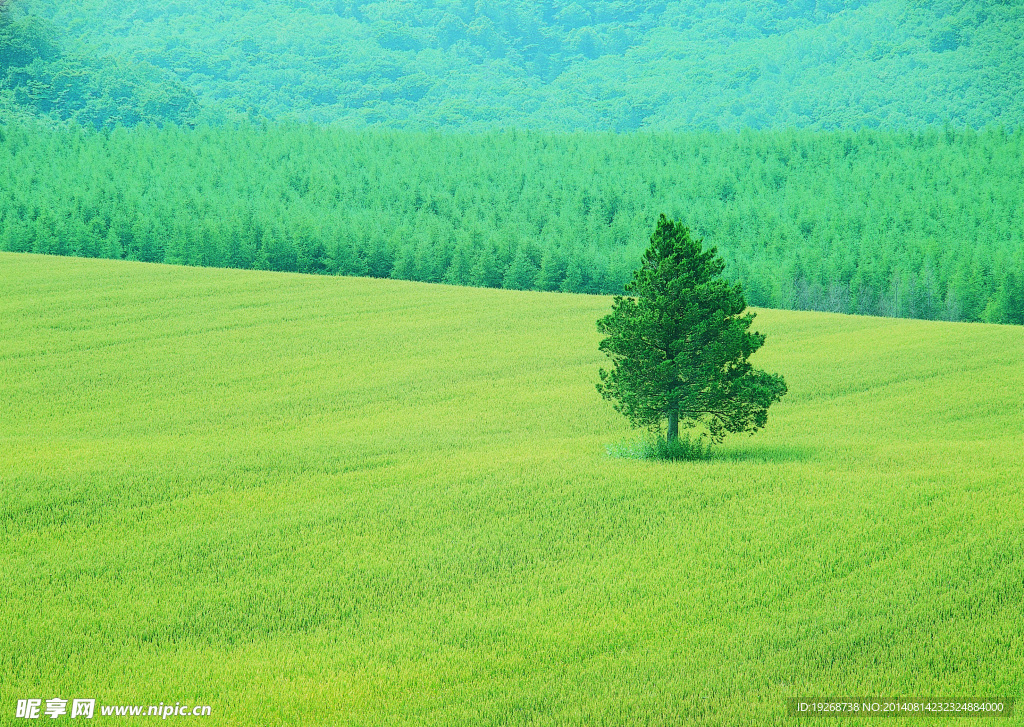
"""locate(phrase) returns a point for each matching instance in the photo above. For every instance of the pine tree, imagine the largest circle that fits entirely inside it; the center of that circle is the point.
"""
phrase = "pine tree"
(405, 264)
(485, 273)
(552, 270)
(679, 344)
(112, 249)
(1013, 288)
(462, 260)
(574, 281)
(521, 273)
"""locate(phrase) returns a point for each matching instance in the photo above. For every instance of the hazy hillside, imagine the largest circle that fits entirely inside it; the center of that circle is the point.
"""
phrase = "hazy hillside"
(570, 65)
(40, 78)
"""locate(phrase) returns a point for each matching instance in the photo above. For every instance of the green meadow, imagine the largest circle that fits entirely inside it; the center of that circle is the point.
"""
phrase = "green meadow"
(316, 500)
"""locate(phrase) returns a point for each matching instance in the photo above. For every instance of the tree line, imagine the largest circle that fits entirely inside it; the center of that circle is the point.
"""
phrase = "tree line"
(914, 224)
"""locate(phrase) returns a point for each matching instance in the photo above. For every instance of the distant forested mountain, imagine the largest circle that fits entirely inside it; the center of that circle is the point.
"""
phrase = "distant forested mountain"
(562, 65)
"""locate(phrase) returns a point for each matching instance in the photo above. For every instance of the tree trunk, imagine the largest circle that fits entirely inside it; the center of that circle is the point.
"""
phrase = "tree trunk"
(673, 426)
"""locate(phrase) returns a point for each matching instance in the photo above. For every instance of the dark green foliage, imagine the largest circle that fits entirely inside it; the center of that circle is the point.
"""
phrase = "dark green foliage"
(552, 270)
(1007, 305)
(680, 344)
(522, 273)
(883, 223)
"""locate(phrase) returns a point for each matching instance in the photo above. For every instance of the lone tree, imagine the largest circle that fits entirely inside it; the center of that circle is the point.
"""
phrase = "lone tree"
(679, 344)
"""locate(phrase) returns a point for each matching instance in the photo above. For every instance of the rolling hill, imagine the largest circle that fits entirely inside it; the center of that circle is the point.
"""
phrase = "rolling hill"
(327, 500)
(611, 65)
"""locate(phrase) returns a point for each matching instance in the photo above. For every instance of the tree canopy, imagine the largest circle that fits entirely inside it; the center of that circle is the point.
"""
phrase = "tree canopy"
(680, 344)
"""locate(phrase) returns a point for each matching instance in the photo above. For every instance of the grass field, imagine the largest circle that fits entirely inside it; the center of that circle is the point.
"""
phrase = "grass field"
(341, 501)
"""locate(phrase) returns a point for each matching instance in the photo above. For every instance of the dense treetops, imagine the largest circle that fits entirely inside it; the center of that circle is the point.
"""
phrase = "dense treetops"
(563, 65)
(925, 225)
